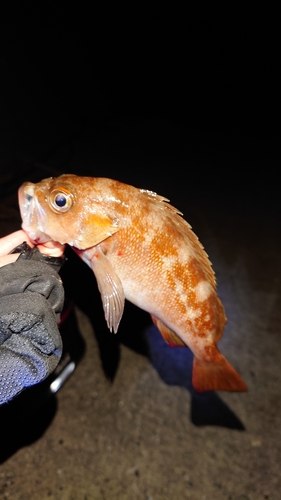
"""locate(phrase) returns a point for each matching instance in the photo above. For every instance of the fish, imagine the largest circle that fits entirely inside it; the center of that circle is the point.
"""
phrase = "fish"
(140, 248)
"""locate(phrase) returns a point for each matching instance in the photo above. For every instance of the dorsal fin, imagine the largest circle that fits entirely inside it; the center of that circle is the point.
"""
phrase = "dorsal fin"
(175, 218)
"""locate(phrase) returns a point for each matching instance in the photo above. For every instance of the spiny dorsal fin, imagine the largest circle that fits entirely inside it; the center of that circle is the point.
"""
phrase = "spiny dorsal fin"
(175, 217)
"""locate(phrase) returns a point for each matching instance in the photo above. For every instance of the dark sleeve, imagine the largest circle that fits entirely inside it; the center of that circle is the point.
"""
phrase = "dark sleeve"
(31, 300)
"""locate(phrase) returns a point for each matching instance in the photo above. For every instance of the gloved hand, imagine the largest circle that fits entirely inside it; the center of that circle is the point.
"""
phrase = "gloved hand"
(31, 300)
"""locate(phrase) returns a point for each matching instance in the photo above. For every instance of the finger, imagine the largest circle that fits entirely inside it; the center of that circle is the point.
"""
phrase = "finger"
(8, 259)
(11, 241)
(52, 248)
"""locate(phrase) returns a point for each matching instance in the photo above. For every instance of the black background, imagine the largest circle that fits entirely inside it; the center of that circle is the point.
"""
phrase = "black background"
(204, 73)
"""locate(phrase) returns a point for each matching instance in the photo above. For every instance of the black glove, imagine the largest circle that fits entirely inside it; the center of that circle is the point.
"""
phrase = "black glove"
(31, 300)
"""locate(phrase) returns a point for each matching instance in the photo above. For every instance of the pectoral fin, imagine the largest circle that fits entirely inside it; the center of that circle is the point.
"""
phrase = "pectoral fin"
(110, 287)
(168, 335)
(95, 229)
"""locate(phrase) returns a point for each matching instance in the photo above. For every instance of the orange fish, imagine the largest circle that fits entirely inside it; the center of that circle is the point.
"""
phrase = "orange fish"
(139, 248)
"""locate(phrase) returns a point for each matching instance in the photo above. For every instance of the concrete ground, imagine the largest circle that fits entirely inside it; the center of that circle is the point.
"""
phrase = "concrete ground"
(127, 425)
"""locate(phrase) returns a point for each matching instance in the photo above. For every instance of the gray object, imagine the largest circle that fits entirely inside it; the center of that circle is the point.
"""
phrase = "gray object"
(31, 300)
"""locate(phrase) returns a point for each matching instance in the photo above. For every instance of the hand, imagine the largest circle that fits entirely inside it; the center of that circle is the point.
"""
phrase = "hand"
(31, 301)
(11, 241)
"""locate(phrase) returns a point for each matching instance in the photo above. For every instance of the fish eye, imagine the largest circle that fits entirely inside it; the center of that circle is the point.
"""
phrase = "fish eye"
(61, 200)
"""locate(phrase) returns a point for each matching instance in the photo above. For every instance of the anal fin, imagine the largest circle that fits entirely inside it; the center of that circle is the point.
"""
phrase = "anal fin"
(168, 335)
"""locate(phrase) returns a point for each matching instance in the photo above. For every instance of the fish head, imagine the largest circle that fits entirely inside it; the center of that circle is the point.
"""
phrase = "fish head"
(67, 209)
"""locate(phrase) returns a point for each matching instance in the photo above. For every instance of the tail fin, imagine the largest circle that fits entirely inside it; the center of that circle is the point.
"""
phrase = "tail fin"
(216, 375)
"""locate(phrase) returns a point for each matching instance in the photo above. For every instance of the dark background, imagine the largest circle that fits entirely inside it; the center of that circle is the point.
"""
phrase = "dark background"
(193, 82)
(180, 98)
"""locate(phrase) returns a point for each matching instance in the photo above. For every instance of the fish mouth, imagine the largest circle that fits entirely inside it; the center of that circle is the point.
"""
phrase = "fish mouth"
(32, 214)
